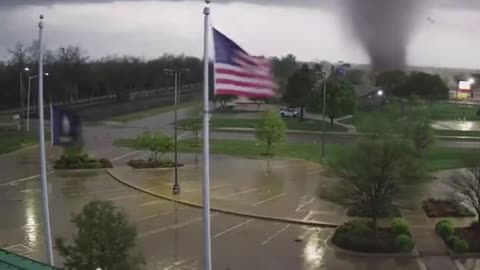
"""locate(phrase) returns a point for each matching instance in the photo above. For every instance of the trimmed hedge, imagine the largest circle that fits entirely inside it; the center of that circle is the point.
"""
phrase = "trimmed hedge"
(73, 161)
(404, 243)
(400, 226)
(150, 164)
(444, 228)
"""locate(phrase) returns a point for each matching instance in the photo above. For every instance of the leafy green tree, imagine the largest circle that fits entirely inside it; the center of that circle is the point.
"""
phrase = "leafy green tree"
(299, 88)
(157, 143)
(194, 122)
(271, 129)
(356, 76)
(104, 240)
(424, 85)
(282, 69)
(340, 100)
(390, 171)
(392, 81)
(419, 130)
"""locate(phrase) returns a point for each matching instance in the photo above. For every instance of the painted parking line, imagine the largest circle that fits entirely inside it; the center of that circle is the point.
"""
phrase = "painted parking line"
(15, 182)
(269, 199)
(155, 215)
(126, 155)
(153, 202)
(275, 235)
(305, 204)
(125, 197)
(174, 227)
(458, 263)
(19, 249)
(307, 217)
(98, 191)
(235, 193)
(232, 228)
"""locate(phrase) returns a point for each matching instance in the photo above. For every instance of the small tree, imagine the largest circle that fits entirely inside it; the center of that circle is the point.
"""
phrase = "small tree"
(340, 99)
(104, 240)
(271, 129)
(466, 184)
(373, 183)
(157, 143)
(194, 122)
(420, 132)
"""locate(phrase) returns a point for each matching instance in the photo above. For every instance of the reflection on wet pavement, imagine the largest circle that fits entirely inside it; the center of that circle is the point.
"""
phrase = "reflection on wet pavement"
(170, 235)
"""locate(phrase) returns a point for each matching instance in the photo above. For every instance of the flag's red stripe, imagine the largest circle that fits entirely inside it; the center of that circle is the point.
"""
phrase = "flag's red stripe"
(245, 83)
(221, 92)
(242, 74)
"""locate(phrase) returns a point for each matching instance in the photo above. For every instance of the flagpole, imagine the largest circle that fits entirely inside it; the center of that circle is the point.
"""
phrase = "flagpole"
(43, 163)
(51, 123)
(206, 147)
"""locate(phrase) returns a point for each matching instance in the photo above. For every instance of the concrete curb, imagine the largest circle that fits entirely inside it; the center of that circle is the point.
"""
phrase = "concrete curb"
(328, 244)
(225, 211)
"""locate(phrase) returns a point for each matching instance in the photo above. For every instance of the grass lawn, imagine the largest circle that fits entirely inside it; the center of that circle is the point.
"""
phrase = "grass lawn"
(446, 111)
(151, 112)
(438, 158)
(457, 133)
(292, 124)
(14, 140)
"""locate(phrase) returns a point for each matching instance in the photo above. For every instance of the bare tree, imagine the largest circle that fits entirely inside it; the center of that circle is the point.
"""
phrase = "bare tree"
(466, 185)
(19, 56)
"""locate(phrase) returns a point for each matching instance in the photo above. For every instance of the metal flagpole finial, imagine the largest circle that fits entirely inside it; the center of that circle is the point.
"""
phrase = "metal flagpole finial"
(206, 10)
(40, 25)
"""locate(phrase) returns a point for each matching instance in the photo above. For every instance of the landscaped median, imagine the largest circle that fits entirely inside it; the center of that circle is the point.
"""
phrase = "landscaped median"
(14, 140)
(250, 124)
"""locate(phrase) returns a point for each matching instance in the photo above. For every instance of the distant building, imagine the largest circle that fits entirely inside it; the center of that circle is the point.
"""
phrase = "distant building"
(370, 97)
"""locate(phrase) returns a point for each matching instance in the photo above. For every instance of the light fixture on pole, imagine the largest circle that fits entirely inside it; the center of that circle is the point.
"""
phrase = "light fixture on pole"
(22, 94)
(177, 76)
(28, 98)
(380, 93)
(334, 68)
(471, 81)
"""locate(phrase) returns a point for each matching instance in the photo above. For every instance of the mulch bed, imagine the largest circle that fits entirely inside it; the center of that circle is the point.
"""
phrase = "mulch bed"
(471, 235)
(148, 164)
(445, 208)
(383, 243)
(390, 211)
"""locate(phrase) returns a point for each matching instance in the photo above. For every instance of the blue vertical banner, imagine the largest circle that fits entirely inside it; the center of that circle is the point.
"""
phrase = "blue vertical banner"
(67, 127)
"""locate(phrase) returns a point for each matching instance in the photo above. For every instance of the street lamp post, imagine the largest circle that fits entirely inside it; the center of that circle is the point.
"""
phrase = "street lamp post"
(177, 76)
(28, 99)
(326, 76)
(22, 98)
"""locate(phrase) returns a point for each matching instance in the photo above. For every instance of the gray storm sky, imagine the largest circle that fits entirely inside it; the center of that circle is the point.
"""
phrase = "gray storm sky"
(444, 36)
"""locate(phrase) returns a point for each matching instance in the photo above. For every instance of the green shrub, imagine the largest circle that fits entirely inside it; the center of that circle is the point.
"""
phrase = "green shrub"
(105, 163)
(400, 226)
(358, 227)
(451, 239)
(444, 228)
(404, 243)
(460, 246)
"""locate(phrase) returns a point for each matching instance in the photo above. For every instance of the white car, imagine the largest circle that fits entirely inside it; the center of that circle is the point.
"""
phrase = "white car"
(289, 112)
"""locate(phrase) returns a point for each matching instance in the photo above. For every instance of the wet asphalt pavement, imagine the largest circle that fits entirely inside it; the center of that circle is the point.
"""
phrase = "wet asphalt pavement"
(169, 235)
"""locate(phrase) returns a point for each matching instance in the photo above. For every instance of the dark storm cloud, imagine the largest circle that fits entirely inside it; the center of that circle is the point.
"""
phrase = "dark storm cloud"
(384, 28)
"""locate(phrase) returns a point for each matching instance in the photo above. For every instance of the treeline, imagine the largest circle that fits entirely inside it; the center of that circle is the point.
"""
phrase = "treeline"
(73, 75)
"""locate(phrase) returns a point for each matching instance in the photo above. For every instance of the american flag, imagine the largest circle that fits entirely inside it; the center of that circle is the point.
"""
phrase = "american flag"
(238, 73)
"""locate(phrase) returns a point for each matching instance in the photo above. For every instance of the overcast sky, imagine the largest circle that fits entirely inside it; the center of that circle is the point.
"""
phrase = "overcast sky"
(446, 35)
